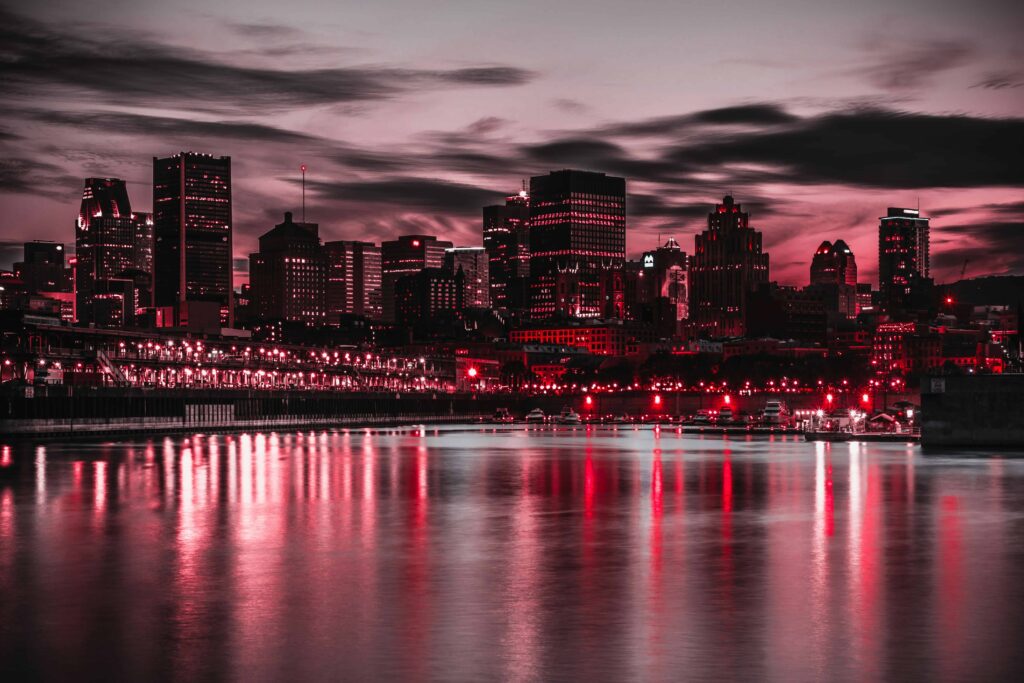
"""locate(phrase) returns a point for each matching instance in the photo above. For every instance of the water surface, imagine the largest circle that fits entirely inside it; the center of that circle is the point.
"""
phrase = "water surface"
(474, 554)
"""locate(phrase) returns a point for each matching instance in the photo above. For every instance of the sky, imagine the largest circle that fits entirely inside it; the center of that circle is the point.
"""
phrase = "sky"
(411, 116)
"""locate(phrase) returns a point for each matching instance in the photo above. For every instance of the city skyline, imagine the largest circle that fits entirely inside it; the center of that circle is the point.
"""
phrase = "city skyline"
(850, 120)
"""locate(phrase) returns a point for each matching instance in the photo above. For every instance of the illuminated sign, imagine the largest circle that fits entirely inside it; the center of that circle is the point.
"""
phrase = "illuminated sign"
(648, 260)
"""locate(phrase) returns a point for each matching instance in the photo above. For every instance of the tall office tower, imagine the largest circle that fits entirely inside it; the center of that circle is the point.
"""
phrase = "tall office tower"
(421, 296)
(104, 245)
(507, 241)
(475, 266)
(142, 252)
(833, 264)
(287, 275)
(404, 256)
(42, 269)
(577, 229)
(353, 279)
(834, 276)
(666, 271)
(903, 256)
(727, 264)
(192, 257)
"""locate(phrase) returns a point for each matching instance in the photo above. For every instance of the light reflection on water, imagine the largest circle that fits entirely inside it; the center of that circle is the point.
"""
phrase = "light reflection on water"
(483, 554)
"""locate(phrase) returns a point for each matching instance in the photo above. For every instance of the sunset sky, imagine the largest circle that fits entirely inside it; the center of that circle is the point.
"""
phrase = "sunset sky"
(815, 114)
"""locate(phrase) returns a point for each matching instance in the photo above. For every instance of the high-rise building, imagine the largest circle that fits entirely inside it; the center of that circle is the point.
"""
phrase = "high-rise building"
(903, 256)
(577, 228)
(666, 270)
(192, 231)
(353, 279)
(834, 264)
(287, 275)
(422, 295)
(727, 265)
(42, 269)
(834, 277)
(507, 241)
(404, 256)
(104, 245)
(474, 263)
(142, 249)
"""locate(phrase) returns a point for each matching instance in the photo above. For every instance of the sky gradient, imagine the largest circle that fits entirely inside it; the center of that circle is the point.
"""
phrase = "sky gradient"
(816, 115)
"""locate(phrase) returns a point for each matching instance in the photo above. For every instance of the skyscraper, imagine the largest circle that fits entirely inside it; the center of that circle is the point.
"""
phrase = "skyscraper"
(903, 255)
(834, 276)
(404, 256)
(287, 275)
(577, 231)
(353, 279)
(506, 233)
(475, 266)
(727, 264)
(42, 269)
(104, 245)
(142, 249)
(421, 296)
(192, 232)
(667, 271)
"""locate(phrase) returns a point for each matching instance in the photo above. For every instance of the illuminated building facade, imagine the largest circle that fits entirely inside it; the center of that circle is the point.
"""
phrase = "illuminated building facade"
(903, 256)
(506, 233)
(422, 295)
(474, 263)
(287, 275)
(834, 275)
(577, 228)
(353, 279)
(728, 263)
(42, 269)
(192, 230)
(666, 271)
(142, 248)
(901, 348)
(407, 255)
(104, 246)
(597, 338)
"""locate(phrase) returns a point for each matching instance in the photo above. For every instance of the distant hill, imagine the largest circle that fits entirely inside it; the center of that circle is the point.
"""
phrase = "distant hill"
(994, 290)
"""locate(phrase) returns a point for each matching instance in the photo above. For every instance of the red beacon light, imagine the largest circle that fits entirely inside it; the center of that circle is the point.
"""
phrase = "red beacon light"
(588, 400)
(829, 398)
(727, 399)
(657, 400)
(865, 398)
(472, 373)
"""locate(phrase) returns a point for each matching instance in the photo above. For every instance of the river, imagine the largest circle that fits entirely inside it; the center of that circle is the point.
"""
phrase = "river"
(477, 554)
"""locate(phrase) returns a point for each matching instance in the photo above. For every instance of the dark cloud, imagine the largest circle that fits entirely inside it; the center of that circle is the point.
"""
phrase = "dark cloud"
(906, 65)
(873, 148)
(38, 61)
(28, 176)
(265, 31)
(163, 126)
(485, 125)
(421, 193)
(755, 115)
(1001, 80)
(988, 247)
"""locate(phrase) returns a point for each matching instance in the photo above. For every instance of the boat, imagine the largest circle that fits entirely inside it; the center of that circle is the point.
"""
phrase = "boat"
(502, 416)
(535, 416)
(725, 415)
(703, 417)
(776, 413)
(568, 416)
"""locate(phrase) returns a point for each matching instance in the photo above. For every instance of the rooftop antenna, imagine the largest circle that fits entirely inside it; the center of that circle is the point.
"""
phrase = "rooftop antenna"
(303, 169)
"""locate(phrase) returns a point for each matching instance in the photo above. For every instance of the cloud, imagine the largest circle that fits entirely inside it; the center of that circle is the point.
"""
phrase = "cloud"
(988, 247)
(872, 148)
(422, 193)
(1002, 80)
(904, 65)
(40, 61)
